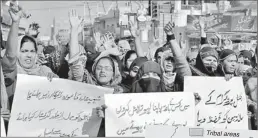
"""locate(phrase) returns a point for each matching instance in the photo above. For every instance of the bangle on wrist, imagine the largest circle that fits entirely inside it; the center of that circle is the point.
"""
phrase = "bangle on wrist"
(170, 37)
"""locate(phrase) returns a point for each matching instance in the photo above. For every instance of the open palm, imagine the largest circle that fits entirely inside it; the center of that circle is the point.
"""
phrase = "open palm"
(97, 37)
(201, 22)
(75, 21)
(134, 30)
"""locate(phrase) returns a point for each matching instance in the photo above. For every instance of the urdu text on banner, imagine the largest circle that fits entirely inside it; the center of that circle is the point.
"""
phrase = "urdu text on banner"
(52, 109)
(128, 114)
(223, 103)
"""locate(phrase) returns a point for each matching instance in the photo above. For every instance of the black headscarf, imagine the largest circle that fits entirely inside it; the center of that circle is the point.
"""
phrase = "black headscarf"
(127, 80)
(224, 54)
(148, 84)
(138, 62)
(161, 49)
(127, 56)
(199, 69)
(246, 53)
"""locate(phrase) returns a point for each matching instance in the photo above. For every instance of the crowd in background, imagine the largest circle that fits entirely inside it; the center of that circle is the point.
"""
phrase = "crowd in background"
(114, 64)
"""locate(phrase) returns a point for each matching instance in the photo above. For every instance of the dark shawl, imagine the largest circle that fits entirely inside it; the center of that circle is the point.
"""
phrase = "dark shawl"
(148, 66)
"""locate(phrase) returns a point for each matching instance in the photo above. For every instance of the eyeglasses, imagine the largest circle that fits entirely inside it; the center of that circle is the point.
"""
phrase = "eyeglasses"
(107, 68)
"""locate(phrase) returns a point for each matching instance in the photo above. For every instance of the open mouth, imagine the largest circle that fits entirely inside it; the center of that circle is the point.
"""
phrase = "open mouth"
(168, 66)
(102, 75)
(28, 61)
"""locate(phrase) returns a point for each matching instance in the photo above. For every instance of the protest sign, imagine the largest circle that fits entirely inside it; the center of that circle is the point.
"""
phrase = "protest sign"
(128, 114)
(52, 109)
(213, 23)
(244, 24)
(223, 103)
(160, 131)
(3, 132)
(223, 23)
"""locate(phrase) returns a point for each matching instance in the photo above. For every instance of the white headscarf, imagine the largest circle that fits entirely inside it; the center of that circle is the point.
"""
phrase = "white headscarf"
(37, 69)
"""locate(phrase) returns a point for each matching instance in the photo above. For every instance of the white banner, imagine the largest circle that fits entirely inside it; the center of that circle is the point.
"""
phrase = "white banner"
(160, 131)
(128, 114)
(223, 103)
(59, 108)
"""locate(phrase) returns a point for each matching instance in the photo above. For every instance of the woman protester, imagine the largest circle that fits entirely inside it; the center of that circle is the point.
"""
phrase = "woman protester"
(26, 53)
(20, 57)
(27, 59)
(130, 56)
(149, 78)
(246, 56)
(123, 47)
(228, 63)
(105, 46)
(132, 60)
(105, 70)
(158, 54)
(174, 64)
(206, 62)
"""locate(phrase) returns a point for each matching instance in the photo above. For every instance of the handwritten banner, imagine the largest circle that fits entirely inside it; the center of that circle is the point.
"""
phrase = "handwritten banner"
(52, 109)
(160, 131)
(3, 132)
(223, 23)
(213, 23)
(128, 114)
(244, 24)
(223, 103)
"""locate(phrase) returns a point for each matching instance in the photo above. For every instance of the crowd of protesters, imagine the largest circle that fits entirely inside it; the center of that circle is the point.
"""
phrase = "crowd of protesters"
(116, 65)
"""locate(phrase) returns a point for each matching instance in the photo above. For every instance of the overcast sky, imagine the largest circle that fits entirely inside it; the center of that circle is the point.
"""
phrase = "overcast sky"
(43, 12)
(59, 10)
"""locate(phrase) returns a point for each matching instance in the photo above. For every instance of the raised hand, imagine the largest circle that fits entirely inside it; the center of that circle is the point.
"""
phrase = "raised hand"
(15, 12)
(169, 28)
(134, 29)
(201, 22)
(108, 43)
(97, 38)
(75, 21)
(114, 51)
(218, 35)
(228, 41)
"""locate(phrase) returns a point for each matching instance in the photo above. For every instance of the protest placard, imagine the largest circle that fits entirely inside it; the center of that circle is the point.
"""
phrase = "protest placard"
(223, 103)
(244, 24)
(159, 131)
(128, 114)
(213, 23)
(52, 109)
(223, 23)
(3, 132)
